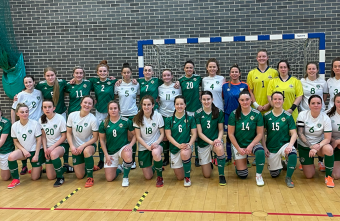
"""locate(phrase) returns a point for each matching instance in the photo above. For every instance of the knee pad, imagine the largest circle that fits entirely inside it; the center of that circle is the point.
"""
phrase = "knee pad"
(221, 157)
(127, 165)
(242, 173)
(274, 173)
(186, 161)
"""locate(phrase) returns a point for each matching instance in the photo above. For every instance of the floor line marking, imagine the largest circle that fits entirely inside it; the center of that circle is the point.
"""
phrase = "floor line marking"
(140, 201)
(63, 200)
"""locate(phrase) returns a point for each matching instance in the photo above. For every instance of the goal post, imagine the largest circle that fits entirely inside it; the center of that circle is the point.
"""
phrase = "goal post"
(298, 49)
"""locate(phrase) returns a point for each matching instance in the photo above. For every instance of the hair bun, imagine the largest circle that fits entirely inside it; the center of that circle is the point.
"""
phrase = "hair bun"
(103, 62)
(126, 65)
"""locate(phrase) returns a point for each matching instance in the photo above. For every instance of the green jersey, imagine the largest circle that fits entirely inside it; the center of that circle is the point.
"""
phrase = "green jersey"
(150, 87)
(278, 128)
(209, 125)
(47, 92)
(116, 134)
(245, 127)
(104, 92)
(76, 92)
(180, 130)
(191, 91)
(5, 128)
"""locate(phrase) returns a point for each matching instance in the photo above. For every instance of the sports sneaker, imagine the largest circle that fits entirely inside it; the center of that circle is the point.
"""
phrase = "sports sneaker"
(166, 162)
(68, 168)
(284, 164)
(300, 167)
(100, 164)
(89, 182)
(259, 180)
(248, 164)
(254, 162)
(159, 182)
(289, 182)
(187, 182)
(197, 162)
(125, 182)
(59, 182)
(14, 183)
(329, 181)
(322, 167)
(223, 182)
(228, 162)
(24, 170)
(134, 165)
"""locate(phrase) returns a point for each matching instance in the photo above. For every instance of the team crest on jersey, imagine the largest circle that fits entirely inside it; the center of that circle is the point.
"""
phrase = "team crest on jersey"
(154, 124)
(85, 86)
(228, 89)
(283, 119)
(173, 92)
(55, 126)
(132, 89)
(109, 83)
(319, 125)
(291, 86)
(270, 77)
(152, 82)
(162, 92)
(318, 86)
(30, 131)
(120, 125)
(252, 118)
(217, 82)
(44, 125)
(195, 79)
(332, 121)
(38, 98)
(45, 88)
(202, 116)
(85, 125)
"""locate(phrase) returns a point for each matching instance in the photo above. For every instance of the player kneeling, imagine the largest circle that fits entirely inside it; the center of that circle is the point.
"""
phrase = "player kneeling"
(82, 134)
(149, 132)
(210, 120)
(26, 134)
(281, 136)
(315, 133)
(113, 135)
(53, 140)
(178, 129)
(245, 130)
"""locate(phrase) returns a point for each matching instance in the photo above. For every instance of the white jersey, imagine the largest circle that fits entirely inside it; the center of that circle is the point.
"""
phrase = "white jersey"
(82, 127)
(127, 93)
(33, 101)
(150, 130)
(335, 120)
(167, 96)
(214, 85)
(318, 87)
(54, 128)
(26, 135)
(333, 88)
(314, 127)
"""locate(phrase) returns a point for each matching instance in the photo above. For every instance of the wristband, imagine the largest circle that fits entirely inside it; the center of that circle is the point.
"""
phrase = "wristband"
(256, 105)
(293, 107)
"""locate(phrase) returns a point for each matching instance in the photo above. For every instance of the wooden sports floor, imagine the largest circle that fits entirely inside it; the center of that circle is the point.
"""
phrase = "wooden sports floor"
(204, 200)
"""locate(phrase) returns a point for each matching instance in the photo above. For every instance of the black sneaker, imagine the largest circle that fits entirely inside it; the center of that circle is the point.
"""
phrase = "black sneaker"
(100, 164)
(24, 170)
(69, 169)
(223, 182)
(165, 162)
(59, 182)
(197, 162)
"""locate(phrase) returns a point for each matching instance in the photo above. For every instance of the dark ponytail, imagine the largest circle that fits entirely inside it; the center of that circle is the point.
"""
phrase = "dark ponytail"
(215, 111)
(138, 118)
(333, 109)
(44, 117)
(238, 109)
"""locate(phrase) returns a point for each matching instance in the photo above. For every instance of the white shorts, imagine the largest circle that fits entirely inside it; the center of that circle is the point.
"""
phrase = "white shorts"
(204, 154)
(238, 156)
(4, 161)
(100, 116)
(176, 159)
(190, 113)
(274, 159)
(114, 162)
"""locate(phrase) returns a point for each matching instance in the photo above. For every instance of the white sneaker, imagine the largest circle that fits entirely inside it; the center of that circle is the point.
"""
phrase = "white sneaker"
(259, 180)
(133, 165)
(125, 182)
(187, 181)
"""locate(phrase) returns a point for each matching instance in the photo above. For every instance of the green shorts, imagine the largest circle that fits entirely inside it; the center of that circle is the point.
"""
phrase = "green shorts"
(66, 147)
(304, 155)
(79, 159)
(336, 154)
(145, 158)
(41, 158)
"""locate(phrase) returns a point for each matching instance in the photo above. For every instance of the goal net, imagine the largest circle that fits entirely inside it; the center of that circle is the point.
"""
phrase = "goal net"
(173, 56)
